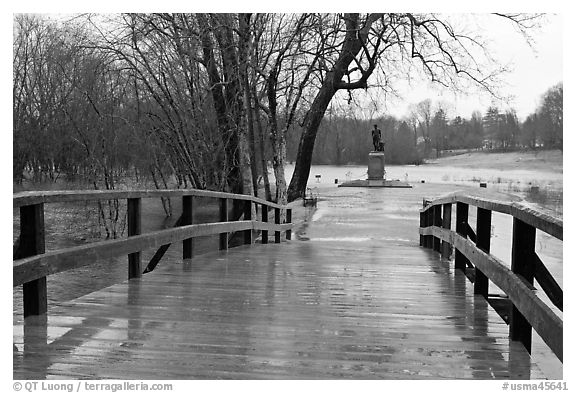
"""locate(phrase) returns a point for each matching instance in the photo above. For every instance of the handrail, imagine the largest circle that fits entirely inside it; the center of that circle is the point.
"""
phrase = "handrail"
(32, 264)
(27, 198)
(542, 221)
(42, 265)
(528, 311)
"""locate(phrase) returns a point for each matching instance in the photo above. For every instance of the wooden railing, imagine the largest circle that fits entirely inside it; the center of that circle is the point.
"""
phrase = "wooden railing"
(473, 256)
(32, 264)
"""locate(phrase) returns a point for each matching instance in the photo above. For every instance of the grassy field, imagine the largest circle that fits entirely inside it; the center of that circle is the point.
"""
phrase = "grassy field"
(544, 160)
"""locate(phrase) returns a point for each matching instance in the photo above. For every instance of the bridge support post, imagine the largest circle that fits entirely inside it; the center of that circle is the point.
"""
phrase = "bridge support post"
(248, 217)
(523, 245)
(437, 222)
(460, 261)
(277, 221)
(289, 221)
(446, 224)
(32, 243)
(264, 219)
(187, 219)
(483, 229)
(134, 228)
(223, 218)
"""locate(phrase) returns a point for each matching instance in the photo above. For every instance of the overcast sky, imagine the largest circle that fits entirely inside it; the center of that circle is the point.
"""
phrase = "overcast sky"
(533, 70)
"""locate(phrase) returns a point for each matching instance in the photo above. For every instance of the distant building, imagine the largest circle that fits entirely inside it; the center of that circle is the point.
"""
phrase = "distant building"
(488, 144)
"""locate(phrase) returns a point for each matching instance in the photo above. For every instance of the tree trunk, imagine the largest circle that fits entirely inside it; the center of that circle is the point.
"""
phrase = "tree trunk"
(224, 101)
(262, 146)
(243, 53)
(278, 138)
(353, 43)
(310, 129)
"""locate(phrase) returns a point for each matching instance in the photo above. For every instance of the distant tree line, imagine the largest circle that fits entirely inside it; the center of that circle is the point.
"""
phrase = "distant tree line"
(209, 100)
(427, 132)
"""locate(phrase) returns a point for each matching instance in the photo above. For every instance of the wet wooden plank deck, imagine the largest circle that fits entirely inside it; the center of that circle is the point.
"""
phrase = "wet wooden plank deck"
(353, 307)
(291, 311)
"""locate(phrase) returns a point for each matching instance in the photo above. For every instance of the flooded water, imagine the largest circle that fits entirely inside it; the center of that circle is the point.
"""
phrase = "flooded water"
(540, 188)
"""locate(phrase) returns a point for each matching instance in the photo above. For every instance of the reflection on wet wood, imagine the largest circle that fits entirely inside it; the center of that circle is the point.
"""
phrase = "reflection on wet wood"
(302, 310)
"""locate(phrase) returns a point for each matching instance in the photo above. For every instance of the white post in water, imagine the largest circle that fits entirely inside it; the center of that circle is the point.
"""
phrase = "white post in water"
(376, 169)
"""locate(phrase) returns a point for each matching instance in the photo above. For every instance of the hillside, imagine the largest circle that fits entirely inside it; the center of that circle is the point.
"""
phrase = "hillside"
(545, 160)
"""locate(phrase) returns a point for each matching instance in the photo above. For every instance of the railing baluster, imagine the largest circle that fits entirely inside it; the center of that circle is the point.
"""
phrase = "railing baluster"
(264, 219)
(446, 224)
(32, 243)
(277, 221)
(429, 223)
(460, 261)
(248, 217)
(187, 219)
(426, 222)
(437, 222)
(523, 245)
(422, 225)
(134, 228)
(289, 221)
(483, 229)
(223, 218)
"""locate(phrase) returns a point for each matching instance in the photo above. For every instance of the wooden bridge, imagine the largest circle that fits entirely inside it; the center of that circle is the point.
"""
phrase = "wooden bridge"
(357, 297)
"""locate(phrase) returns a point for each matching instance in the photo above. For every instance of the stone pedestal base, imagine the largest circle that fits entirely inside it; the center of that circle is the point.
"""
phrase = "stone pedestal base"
(376, 166)
(376, 182)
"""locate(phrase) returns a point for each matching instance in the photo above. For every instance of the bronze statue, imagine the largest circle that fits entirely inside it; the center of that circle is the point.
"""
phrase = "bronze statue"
(377, 139)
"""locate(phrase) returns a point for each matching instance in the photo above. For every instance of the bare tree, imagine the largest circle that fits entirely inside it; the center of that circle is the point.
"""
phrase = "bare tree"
(199, 100)
(385, 42)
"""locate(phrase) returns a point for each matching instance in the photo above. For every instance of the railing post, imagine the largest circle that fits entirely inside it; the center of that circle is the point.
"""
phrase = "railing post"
(277, 222)
(248, 217)
(523, 245)
(426, 224)
(437, 222)
(429, 223)
(460, 260)
(426, 221)
(134, 228)
(422, 225)
(264, 219)
(223, 218)
(446, 224)
(32, 243)
(483, 229)
(187, 219)
(289, 221)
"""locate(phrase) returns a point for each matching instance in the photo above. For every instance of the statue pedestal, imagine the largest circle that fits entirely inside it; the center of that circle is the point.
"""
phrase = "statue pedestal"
(376, 168)
(376, 183)
(376, 175)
